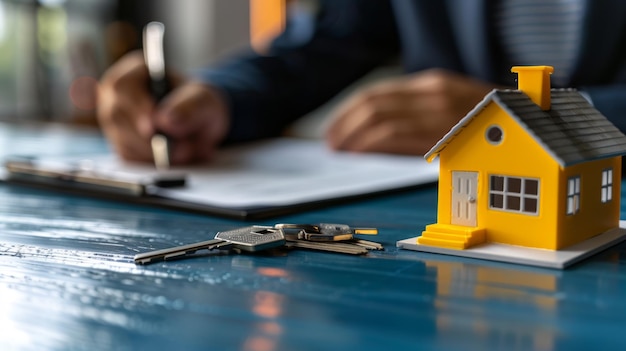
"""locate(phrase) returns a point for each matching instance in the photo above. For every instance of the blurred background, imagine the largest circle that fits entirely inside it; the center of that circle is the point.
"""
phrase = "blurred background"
(52, 52)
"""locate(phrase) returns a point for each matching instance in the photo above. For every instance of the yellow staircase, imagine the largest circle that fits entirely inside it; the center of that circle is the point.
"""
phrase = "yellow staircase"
(452, 236)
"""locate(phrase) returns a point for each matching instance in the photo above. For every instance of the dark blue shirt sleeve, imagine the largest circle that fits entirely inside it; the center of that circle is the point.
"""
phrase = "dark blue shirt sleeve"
(265, 93)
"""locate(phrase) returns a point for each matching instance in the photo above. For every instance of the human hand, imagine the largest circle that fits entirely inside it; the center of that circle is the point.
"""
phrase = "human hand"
(405, 115)
(192, 115)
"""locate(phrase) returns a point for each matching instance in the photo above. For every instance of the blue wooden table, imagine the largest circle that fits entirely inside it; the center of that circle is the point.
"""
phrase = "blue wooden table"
(67, 282)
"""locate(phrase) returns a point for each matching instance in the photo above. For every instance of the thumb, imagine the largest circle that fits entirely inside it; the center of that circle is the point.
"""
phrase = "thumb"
(189, 109)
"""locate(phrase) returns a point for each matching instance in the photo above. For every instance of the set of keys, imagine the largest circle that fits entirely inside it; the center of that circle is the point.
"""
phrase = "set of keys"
(328, 237)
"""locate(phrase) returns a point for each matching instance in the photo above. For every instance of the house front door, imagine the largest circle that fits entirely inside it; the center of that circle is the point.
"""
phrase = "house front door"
(464, 192)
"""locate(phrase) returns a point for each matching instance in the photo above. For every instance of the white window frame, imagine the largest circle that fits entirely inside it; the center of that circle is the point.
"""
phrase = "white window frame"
(573, 195)
(606, 189)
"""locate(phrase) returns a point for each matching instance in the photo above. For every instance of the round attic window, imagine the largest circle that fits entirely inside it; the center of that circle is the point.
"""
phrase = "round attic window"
(494, 134)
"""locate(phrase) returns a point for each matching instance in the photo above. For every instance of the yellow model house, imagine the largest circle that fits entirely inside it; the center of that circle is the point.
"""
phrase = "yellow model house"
(532, 167)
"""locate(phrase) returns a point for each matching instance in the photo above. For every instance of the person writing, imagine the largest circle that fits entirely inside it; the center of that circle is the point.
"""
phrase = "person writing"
(454, 52)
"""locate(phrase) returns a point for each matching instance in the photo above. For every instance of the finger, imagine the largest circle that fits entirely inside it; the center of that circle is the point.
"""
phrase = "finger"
(124, 108)
(381, 95)
(127, 73)
(182, 151)
(126, 128)
(121, 131)
(205, 144)
(197, 148)
(379, 110)
(194, 116)
(117, 110)
(398, 138)
(188, 108)
(341, 117)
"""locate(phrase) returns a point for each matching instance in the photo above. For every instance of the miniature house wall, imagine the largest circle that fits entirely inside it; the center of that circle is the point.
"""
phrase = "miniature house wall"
(532, 167)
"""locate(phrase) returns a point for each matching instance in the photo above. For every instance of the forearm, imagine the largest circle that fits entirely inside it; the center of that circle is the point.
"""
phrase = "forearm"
(267, 92)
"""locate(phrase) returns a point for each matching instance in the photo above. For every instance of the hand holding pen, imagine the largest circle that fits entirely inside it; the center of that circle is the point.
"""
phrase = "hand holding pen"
(133, 106)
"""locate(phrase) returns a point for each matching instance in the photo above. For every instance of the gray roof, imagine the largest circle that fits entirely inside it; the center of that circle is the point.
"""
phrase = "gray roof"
(572, 131)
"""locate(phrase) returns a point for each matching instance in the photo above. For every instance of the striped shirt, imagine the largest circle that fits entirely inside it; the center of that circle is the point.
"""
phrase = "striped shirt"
(541, 32)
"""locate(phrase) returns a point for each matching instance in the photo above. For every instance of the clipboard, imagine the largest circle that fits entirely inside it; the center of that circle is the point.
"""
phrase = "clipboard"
(249, 181)
(77, 175)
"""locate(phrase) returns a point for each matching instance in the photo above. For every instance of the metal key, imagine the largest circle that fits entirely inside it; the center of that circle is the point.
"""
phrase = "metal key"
(344, 228)
(311, 232)
(253, 238)
(325, 231)
(339, 247)
(327, 237)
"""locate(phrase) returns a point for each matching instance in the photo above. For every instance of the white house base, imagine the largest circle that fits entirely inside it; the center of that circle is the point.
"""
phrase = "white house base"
(529, 256)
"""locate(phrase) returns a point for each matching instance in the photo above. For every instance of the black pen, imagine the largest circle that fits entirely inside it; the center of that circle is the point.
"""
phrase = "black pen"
(159, 85)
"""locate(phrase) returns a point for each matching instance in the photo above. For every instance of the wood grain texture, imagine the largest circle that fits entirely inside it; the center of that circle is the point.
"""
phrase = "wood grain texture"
(67, 281)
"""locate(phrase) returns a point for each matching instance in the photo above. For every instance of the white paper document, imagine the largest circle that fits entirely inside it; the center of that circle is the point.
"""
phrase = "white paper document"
(271, 173)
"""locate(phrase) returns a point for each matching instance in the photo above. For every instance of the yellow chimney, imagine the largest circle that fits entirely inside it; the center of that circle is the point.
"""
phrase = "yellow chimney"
(534, 81)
